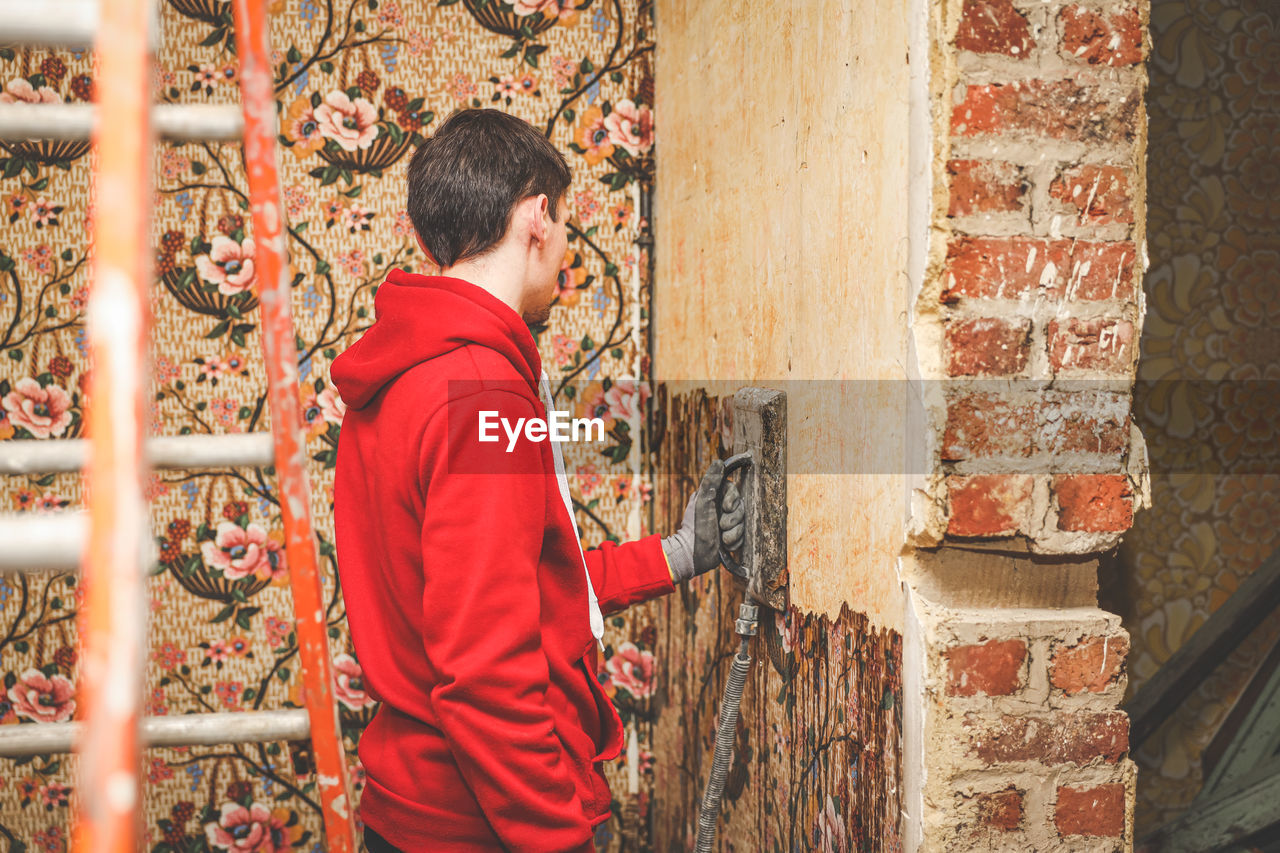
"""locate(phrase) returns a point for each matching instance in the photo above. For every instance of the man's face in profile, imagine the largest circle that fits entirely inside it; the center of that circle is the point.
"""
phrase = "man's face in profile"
(552, 256)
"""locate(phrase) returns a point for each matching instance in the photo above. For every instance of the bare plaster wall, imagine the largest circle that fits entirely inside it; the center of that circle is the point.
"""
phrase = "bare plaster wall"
(781, 206)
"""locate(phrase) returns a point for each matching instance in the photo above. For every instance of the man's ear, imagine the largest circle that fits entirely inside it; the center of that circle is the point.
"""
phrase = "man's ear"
(537, 216)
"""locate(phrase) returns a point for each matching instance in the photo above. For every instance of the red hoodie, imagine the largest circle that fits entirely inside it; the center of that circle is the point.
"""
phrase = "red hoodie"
(464, 587)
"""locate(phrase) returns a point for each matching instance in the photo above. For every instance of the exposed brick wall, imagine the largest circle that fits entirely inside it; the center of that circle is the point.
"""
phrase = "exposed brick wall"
(1027, 749)
(1037, 268)
(1030, 314)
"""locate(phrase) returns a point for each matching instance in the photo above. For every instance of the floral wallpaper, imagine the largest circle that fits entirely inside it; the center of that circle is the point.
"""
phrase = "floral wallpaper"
(1210, 359)
(359, 84)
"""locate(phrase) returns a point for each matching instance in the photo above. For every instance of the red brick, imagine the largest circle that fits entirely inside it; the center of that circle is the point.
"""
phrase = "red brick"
(1099, 271)
(1094, 502)
(993, 668)
(1100, 344)
(1001, 810)
(985, 186)
(1114, 39)
(994, 26)
(1096, 811)
(1061, 738)
(998, 267)
(1013, 267)
(1092, 665)
(1060, 109)
(1099, 194)
(987, 347)
(982, 426)
(990, 426)
(1086, 435)
(1092, 423)
(988, 504)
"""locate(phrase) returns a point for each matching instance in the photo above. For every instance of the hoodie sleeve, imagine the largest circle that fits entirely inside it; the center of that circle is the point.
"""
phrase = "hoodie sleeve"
(627, 574)
(481, 540)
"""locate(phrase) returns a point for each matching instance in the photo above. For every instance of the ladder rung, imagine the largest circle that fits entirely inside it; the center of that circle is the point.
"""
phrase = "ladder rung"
(51, 23)
(199, 122)
(177, 730)
(179, 122)
(42, 541)
(229, 450)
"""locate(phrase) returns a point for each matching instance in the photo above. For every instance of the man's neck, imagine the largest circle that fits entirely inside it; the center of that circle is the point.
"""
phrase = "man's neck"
(501, 272)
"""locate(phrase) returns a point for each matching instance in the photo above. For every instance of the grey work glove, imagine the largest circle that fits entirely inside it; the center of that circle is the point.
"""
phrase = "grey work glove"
(695, 547)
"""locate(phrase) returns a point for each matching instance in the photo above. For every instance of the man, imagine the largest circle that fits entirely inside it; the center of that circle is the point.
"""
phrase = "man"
(472, 608)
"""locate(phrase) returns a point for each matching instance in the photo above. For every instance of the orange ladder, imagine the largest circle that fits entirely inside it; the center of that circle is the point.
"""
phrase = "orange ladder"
(111, 542)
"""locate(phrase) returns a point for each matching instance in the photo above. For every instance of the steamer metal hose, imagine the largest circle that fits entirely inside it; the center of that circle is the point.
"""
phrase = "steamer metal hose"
(710, 814)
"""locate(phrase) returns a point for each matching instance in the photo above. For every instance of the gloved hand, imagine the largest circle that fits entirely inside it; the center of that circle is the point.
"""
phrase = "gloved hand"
(695, 547)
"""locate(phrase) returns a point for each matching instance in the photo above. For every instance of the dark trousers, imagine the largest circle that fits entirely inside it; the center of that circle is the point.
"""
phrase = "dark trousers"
(375, 843)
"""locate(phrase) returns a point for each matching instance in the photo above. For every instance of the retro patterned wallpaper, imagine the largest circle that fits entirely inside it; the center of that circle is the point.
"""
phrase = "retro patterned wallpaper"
(1210, 361)
(359, 83)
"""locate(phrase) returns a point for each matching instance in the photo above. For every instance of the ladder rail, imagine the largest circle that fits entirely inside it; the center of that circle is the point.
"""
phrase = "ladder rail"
(115, 608)
(274, 294)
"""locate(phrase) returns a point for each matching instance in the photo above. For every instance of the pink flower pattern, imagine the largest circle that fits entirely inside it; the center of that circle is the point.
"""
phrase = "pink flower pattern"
(45, 699)
(240, 552)
(349, 683)
(277, 631)
(832, 837)
(632, 670)
(250, 829)
(631, 127)
(20, 91)
(332, 409)
(43, 411)
(626, 399)
(351, 124)
(562, 9)
(229, 265)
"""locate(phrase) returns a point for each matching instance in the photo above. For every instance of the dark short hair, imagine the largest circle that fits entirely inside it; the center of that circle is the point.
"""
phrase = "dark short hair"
(465, 180)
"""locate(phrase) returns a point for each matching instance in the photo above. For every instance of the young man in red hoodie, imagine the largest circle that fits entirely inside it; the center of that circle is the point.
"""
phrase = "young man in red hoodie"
(473, 610)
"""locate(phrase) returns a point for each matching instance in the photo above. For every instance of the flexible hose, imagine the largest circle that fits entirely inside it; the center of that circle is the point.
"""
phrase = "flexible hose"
(710, 813)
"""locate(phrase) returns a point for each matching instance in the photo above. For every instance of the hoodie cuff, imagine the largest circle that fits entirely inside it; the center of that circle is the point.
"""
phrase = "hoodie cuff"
(670, 571)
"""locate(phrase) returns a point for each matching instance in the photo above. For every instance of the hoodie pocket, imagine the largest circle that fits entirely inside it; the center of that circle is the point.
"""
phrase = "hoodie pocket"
(610, 745)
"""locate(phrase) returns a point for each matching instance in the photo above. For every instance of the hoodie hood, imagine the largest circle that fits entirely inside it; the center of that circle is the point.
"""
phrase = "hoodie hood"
(420, 317)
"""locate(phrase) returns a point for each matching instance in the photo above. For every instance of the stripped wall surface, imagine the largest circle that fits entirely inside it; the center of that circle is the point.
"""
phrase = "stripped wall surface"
(772, 268)
(358, 83)
(781, 262)
(817, 755)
